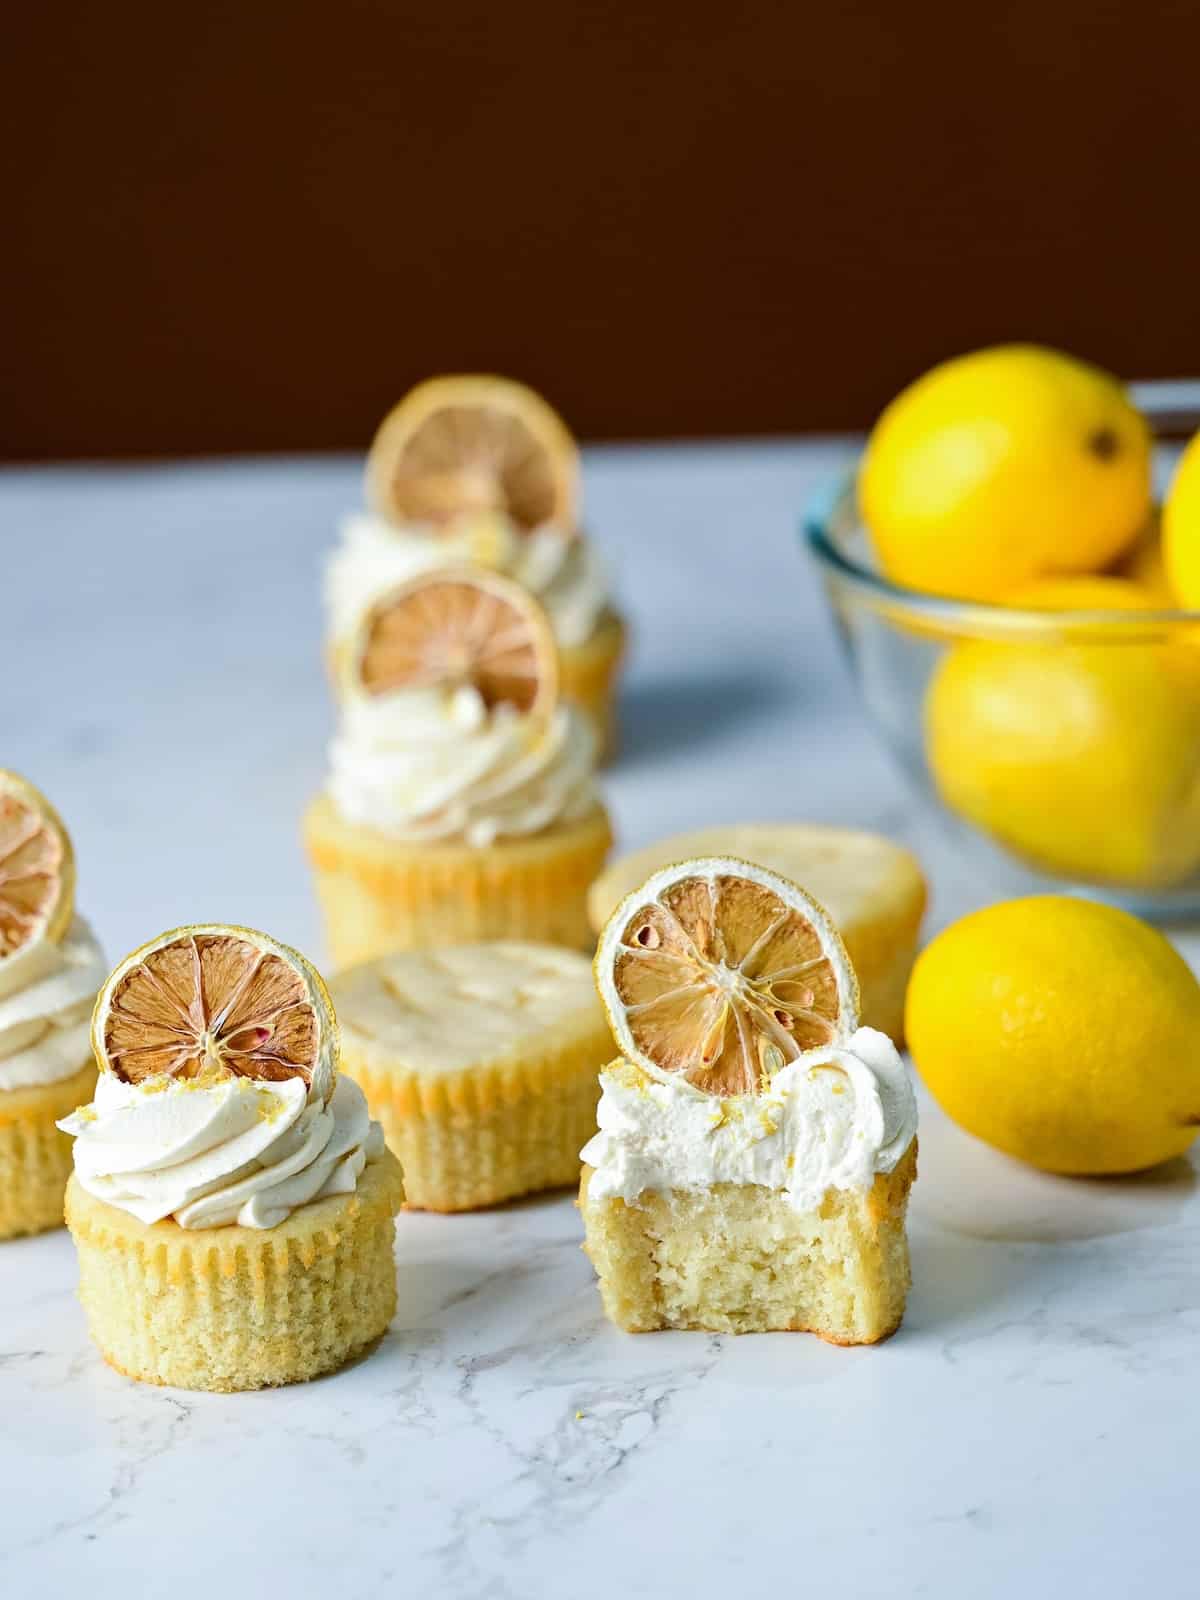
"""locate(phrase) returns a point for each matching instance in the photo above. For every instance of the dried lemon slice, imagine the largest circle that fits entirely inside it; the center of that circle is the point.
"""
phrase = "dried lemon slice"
(449, 630)
(37, 876)
(720, 973)
(216, 1001)
(465, 447)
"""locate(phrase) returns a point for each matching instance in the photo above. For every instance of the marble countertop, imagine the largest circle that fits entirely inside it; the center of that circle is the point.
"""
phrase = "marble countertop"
(1028, 1430)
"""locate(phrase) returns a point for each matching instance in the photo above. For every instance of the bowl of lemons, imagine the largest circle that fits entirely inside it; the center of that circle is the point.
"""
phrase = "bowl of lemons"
(1014, 568)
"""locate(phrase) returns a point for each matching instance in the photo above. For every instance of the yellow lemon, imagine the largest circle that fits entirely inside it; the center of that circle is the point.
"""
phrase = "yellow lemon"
(1107, 592)
(1062, 1032)
(1181, 528)
(1145, 564)
(1101, 592)
(1004, 466)
(1082, 759)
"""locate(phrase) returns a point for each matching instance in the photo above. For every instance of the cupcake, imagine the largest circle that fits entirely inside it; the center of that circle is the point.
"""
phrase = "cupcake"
(232, 1201)
(756, 1146)
(873, 889)
(480, 1062)
(50, 970)
(478, 471)
(461, 804)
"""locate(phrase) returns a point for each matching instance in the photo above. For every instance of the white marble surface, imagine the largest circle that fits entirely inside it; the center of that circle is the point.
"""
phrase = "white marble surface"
(1029, 1431)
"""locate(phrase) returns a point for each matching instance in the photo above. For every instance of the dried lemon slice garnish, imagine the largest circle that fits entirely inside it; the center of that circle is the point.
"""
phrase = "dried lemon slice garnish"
(37, 875)
(721, 973)
(449, 630)
(462, 448)
(215, 1001)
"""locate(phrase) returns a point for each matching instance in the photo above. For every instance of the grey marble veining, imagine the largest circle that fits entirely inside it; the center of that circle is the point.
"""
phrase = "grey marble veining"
(1029, 1431)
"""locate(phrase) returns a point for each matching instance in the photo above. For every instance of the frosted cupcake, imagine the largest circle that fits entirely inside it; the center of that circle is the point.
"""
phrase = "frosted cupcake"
(461, 804)
(480, 471)
(756, 1146)
(50, 970)
(232, 1201)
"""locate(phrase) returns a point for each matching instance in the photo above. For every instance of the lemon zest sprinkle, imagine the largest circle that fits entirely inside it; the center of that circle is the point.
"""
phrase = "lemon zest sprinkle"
(719, 1116)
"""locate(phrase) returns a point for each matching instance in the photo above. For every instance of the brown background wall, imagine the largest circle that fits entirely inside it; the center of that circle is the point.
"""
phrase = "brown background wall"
(248, 226)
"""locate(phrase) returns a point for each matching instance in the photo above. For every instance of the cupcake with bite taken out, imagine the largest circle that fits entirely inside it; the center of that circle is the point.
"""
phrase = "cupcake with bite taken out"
(756, 1147)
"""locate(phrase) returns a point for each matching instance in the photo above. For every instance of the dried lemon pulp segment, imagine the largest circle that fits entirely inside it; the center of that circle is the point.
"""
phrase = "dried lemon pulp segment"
(447, 630)
(720, 972)
(216, 1001)
(37, 870)
(461, 447)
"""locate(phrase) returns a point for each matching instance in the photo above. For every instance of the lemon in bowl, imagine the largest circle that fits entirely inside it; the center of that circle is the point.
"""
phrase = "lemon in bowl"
(1181, 528)
(1078, 752)
(1054, 726)
(1003, 466)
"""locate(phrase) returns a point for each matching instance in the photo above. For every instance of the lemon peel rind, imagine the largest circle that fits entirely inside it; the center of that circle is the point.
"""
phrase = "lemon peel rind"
(482, 390)
(57, 923)
(325, 1065)
(711, 867)
(486, 582)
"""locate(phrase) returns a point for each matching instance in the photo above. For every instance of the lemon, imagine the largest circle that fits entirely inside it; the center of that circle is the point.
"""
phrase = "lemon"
(454, 629)
(37, 879)
(873, 889)
(1102, 592)
(1003, 466)
(1181, 528)
(1062, 1032)
(217, 999)
(461, 448)
(720, 972)
(1083, 759)
(1145, 564)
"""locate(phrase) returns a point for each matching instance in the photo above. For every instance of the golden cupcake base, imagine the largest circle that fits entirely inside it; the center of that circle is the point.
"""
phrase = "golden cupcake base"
(736, 1258)
(379, 894)
(499, 1099)
(588, 677)
(35, 1158)
(469, 1147)
(240, 1308)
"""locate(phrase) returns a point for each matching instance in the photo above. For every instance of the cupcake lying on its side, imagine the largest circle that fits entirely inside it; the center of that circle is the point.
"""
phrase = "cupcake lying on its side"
(50, 970)
(232, 1200)
(461, 803)
(756, 1147)
(480, 1062)
(480, 471)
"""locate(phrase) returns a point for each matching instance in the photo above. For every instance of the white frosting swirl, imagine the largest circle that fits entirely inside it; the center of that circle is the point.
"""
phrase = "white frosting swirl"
(45, 1024)
(233, 1151)
(425, 764)
(829, 1121)
(562, 569)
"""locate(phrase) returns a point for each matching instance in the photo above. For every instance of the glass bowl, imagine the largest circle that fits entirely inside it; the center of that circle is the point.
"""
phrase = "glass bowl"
(1061, 749)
